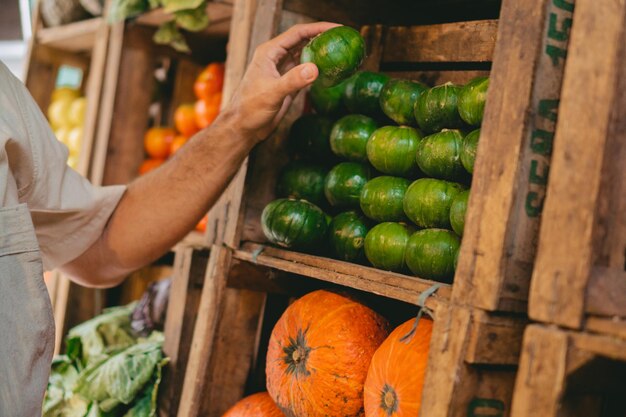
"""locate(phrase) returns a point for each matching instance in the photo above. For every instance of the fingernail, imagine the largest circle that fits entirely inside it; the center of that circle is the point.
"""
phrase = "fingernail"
(307, 72)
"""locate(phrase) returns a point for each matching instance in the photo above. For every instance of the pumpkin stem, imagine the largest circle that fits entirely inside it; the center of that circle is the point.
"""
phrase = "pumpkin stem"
(296, 354)
(389, 400)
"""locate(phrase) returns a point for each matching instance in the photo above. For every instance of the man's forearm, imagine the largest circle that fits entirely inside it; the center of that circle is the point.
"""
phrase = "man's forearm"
(160, 208)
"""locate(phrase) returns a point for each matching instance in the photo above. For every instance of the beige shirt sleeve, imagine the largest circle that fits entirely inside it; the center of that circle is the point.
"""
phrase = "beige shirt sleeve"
(69, 214)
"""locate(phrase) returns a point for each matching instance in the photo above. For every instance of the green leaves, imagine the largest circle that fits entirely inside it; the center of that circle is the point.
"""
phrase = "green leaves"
(172, 6)
(119, 378)
(91, 340)
(106, 371)
(169, 34)
(190, 15)
(193, 20)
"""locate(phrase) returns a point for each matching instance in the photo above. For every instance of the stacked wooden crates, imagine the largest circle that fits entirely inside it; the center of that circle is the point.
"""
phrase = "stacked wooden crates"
(479, 320)
(81, 45)
(574, 363)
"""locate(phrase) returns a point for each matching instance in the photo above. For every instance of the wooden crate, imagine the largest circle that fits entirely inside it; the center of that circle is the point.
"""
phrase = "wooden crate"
(82, 45)
(570, 374)
(580, 276)
(227, 349)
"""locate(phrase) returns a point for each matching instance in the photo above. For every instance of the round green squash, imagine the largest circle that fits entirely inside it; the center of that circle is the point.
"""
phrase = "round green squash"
(427, 202)
(344, 183)
(385, 245)
(346, 236)
(302, 180)
(432, 254)
(458, 208)
(382, 198)
(295, 224)
(439, 155)
(391, 150)
(472, 98)
(338, 53)
(362, 92)
(309, 138)
(468, 150)
(436, 108)
(327, 100)
(349, 135)
(397, 100)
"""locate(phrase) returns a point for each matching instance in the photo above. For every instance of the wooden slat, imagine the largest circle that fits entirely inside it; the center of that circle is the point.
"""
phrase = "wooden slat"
(73, 37)
(541, 377)
(205, 343)
(454, 387)
(189, 268)
(130, 116)
(495, 340)
(607, 326)
(448, 42)
(387, 284)
(606, 292)
(440, 77)
(565, 258)
(502, 221)
(565, 374)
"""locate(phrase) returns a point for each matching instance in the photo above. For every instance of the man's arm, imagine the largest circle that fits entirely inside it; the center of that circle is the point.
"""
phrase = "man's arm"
(160, 208)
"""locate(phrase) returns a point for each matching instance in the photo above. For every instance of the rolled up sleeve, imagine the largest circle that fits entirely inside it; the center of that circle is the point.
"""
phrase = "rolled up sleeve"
(68, 212)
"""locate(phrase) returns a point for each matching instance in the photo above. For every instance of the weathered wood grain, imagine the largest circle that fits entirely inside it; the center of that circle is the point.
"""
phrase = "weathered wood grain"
(503, 217)
(573, 212)
(388, 284)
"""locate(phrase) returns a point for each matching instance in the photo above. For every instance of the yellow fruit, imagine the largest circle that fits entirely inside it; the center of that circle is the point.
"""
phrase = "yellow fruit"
(62, 134)
(77, 111)
(58, 113)
(74, 140)
(72, 161)
(64, 93)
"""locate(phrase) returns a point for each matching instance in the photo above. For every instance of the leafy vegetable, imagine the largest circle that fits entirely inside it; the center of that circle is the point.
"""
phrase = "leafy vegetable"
(193, 20)
(119, 378)
(146, 403)
(92, 339)
(125, 9)
(172, 6)
(169, 34)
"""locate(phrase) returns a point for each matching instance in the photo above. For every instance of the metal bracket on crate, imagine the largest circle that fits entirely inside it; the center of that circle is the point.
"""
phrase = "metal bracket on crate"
(257, 252)
(421, 303)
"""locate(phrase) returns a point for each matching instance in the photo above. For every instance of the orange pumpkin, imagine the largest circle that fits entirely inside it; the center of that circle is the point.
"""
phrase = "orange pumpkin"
(396, 376)
(319, 354)
(256, 405)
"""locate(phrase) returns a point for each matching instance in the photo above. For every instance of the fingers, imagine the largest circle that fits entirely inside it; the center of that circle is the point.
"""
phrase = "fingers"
(275, 49)
(296, 79)
(298, 33)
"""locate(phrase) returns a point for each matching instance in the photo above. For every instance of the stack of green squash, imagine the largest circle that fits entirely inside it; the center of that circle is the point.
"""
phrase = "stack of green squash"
(380, 172)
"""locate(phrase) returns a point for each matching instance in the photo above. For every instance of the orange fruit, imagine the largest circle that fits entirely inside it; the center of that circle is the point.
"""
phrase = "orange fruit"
(157, 141)
(201, 226)
(150, 164)
(207, 110)
(210, 81)
(177, 143)
(185, 120)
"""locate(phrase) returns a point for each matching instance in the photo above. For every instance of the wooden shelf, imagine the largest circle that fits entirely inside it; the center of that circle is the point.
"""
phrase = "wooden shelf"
(219, 15)
(388, 284)
(194, 239)
(73, 37)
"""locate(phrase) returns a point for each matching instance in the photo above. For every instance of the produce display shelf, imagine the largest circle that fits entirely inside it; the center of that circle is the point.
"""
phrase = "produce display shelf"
(388, 284)
(73, 37)
(193, 239)
(219, 13)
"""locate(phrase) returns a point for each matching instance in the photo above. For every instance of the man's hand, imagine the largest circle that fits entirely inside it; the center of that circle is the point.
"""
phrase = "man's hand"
(160, 208)
(272, 79)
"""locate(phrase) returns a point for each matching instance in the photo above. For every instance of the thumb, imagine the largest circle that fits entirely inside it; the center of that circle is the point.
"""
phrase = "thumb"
(297, 78)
